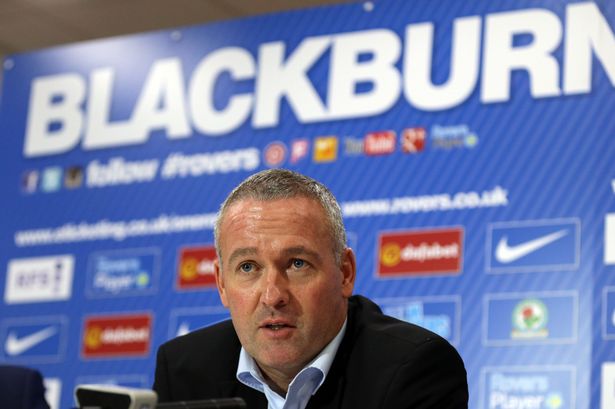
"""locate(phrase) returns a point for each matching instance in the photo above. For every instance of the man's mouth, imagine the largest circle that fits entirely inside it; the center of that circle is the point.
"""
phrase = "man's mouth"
(276, 325)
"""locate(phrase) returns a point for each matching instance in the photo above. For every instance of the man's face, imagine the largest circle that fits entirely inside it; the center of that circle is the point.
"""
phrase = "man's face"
(278, 276)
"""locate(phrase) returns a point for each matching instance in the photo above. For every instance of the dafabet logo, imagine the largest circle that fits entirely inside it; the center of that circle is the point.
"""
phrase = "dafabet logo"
(420, 252)
(116, 335)
(195, 268)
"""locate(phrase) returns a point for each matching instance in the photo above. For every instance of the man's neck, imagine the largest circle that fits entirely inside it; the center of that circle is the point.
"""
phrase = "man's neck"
(278, 381)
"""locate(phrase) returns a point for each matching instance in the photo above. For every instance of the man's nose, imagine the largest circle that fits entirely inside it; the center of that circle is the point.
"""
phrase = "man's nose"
(275, 292)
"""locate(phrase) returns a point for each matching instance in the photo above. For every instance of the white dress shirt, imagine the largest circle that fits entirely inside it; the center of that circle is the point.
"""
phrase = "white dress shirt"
(304, 384)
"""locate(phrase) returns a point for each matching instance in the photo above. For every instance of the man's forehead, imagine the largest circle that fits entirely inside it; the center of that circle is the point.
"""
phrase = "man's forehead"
(299, 205)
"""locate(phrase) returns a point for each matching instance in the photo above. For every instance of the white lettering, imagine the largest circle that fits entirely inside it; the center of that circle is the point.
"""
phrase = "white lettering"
(124, 335)
(120, 172)
(100, 132)
(424, 252)
(520, 383)
(162, 103)
(586, 30)
(277, 78)
(54, 99)
(418, 87)
(362, 79)
(502, 400)
(502, 56)
(383, 46)
(207, 119)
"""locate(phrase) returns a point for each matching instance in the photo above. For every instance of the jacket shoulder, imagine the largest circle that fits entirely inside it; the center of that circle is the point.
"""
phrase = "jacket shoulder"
(216, 346)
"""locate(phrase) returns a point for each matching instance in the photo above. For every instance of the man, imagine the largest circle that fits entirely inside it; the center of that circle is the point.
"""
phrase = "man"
(298, 337)
(21, 388)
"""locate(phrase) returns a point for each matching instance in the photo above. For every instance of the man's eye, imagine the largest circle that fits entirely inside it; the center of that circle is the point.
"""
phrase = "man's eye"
(246, 267)
(298, 263)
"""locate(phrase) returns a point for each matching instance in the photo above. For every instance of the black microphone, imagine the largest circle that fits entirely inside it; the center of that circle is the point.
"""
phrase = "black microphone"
(121, 397)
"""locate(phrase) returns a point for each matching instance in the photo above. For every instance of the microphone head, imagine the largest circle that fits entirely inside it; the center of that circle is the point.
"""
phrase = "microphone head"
(114, 397)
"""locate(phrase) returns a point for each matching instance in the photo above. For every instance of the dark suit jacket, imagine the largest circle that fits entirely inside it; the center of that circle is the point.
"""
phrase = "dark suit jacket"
(21, 388)
(381, 363)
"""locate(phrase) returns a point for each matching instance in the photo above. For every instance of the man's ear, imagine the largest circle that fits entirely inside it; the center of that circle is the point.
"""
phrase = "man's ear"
(220, 282)
(348, 267)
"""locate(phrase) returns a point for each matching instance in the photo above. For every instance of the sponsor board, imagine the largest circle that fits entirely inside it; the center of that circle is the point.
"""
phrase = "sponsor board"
(420, 252)
(437, 314)
(195, 267)
(608, 313)
(513, 319)
(123, 273)
(185, 320)
(607, 385)
(539, 245)
(531, 387)
(115, 336)
(39, 279)
(34, 339)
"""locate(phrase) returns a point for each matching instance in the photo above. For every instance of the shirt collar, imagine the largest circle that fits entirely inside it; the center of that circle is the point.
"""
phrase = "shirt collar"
(249, 373)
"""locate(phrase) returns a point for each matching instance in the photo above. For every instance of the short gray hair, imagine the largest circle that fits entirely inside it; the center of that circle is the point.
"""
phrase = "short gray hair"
(275, 184)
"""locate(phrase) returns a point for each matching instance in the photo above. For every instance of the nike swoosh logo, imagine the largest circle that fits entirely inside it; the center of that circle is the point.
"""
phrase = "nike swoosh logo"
(507, 254)
(16, 346)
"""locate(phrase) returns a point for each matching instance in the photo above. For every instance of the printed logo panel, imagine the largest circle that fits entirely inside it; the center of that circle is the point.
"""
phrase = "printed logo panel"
(609, 239)
(52, 179)
(452, 137)
(39, 279)
(116, 336)
(380, 143)
(195, 268)
(512, 319)
(608, 313)
(607, 386)
(186, 320)
(420, 252)
(533, 246)
(325, 149)
(34, 340)
(528, 387)
(437, 314)
(126, 272)
(299, 150)
(29, 181)
(353, 146)
(413, 140)
(275, 154)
